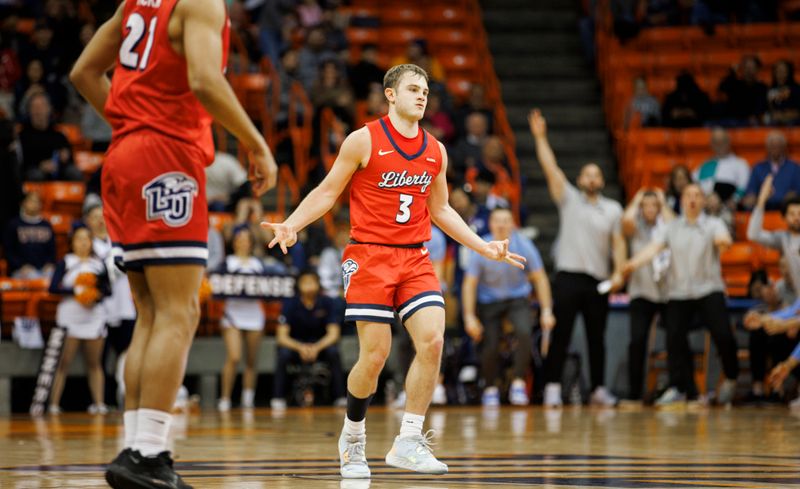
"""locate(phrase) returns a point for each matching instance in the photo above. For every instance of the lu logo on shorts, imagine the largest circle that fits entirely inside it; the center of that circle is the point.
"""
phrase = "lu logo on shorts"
(170, 197)
(349, 267)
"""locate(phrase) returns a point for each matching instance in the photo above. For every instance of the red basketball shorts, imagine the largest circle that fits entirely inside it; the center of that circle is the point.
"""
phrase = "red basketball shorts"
(379, 280)
(154, 200)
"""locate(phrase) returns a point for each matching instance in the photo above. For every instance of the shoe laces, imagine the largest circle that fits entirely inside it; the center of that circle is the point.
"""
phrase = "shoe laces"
(355, 450)
(425, 442)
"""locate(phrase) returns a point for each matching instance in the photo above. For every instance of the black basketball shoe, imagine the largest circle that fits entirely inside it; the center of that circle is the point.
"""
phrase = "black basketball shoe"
(131, 470)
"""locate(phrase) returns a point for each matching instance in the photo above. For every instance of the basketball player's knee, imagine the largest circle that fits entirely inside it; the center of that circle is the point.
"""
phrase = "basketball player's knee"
(375, 359)
(430, 346)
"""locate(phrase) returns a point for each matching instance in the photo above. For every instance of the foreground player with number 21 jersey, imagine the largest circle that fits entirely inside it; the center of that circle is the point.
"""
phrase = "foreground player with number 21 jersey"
(397, 173)
(168, 58)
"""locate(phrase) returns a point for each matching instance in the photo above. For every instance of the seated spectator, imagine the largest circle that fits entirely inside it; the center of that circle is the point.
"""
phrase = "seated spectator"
(46, 153)
(334, 22)
(442, 126)
(288, 74)
(783, 97)
(687, 105)
(29, 242)
(243, 319)
(679, 178)
(493, 159)
(744, 96)
(762, 345)
(643, 104)
(492, 292)
(476, 102)
(366, 73)
(785, 172)
(484, 194)
(224, 176)
(43, 47)
(82, 279)
(725, 173)
(37, 81)
(468, 151)
(308, 332)
(417, 53)
(311, 56)
(331, 89)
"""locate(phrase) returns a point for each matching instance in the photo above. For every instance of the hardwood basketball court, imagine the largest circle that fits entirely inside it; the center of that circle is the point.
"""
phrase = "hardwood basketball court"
(511, 447)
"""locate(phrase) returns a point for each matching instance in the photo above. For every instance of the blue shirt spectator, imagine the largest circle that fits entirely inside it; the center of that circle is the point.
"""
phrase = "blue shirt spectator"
(310, 324)
(29, 241)
(498, 281)
(437, 246)
(786, 174)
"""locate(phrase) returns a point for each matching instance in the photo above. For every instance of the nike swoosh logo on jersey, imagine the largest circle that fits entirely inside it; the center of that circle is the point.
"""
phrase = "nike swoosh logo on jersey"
(431, 160)
(424, 251)
(384, 153)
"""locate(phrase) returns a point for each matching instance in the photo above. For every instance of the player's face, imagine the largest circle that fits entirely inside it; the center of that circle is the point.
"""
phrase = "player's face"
(82, 242)
(410, 97)
(793, 218)
(501, 224)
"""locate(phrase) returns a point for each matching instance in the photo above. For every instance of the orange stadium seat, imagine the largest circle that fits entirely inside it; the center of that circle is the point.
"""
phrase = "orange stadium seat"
(446, 37)
(73, 133)
(445, 15)
(360, 35)
(459, 87)
(400, 35)
(62, 225)
(88, 161)
(737, 266)
(460, 64)
(14, 304)
(402, 16)
(755, 36)
(26, 26)
(769, 260)
(65, 197)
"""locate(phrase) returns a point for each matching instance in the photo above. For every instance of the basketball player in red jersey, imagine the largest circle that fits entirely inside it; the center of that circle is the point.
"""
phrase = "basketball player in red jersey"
(168, 83)
(398, 186)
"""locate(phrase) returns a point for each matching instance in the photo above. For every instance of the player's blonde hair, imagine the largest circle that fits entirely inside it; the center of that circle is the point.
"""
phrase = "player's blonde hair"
(395, 73)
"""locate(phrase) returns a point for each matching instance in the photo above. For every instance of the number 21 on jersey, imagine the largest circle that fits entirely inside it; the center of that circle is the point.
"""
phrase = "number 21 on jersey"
(136, 25)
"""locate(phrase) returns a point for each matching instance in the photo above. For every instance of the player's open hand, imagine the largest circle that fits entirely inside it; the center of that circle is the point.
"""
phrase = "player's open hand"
(285, 235)
(263, 173)
(498, 250)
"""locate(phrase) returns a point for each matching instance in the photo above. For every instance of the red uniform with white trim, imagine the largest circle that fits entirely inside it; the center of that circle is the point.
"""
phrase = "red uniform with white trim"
(386, 267)
(154, 172)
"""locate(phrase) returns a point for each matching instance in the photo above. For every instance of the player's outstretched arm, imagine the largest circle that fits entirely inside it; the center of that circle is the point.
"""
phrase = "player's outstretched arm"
(355, 150)
(202, 22)
(88, 76)
(451, 223)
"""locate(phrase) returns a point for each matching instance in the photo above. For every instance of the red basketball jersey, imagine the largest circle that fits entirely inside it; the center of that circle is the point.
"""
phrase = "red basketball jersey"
(388, 198)
(150, 86)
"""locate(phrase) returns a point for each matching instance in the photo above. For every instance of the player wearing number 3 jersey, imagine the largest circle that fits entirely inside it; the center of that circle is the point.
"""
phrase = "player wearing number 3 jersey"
(397, 173)
(168, 58)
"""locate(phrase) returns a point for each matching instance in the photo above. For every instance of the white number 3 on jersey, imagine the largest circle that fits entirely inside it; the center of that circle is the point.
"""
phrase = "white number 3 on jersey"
(404, 214)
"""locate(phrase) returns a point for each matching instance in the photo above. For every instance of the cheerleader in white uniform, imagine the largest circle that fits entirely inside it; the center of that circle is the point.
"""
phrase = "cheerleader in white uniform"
(82, 278)
(242, 318)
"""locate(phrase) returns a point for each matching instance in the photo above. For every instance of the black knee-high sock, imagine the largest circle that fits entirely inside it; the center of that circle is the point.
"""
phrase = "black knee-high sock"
(357, 407)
